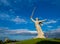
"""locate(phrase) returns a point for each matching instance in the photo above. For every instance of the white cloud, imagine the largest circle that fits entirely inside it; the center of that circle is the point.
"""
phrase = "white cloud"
(20, 31)
(5, 30)
(57, 30)
(51, 21)
(53, 33)
(4, 16)
(11, 10)
(49, 26)
(33, 32)
(5, 2)
(1, 28)
(18, 20)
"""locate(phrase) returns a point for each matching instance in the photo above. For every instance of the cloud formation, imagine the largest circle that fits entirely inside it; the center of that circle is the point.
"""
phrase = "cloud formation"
(4, 16)
(51, 34)
(51, 22)
(5, 2)
(54, 33)
(21, 31)
(57, 30)
(18, 20)
(15, 19)
(8, 31)
(49, 26)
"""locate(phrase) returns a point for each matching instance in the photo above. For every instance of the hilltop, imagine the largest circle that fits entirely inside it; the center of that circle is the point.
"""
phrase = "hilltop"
(39, 41)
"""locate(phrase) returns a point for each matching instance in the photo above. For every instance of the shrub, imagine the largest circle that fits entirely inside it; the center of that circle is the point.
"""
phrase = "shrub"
(1, 42)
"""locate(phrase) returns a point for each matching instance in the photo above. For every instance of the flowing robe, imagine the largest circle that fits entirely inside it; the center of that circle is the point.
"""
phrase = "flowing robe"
(38, 28)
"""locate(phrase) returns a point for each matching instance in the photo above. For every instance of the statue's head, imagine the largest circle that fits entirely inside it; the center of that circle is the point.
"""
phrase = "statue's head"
(36, 19)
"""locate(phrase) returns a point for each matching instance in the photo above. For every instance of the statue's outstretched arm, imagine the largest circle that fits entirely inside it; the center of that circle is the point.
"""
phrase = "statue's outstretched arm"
(32, 19)
(42, 20)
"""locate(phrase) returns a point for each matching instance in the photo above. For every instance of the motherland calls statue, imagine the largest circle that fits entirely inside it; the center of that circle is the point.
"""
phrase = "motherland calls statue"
(38, 26)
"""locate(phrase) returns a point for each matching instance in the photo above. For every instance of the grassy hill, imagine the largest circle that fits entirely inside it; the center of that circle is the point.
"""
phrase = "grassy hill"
(38, 41)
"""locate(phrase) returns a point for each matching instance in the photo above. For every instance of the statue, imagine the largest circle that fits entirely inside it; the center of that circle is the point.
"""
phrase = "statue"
(38, 26)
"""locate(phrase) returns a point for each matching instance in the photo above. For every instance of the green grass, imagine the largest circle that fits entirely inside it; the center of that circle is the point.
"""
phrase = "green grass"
(38, 41)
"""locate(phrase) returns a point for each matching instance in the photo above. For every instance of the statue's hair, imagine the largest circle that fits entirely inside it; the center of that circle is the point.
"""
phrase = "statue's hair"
(40, 22)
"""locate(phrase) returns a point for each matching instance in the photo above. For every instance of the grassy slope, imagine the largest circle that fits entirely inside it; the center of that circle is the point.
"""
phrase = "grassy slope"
(39, 41)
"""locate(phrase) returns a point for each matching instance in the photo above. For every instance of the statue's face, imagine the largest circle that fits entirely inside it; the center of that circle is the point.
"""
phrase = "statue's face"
(36, 19)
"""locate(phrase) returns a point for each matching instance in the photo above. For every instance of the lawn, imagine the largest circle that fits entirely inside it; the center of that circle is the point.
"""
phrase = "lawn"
(38, 41)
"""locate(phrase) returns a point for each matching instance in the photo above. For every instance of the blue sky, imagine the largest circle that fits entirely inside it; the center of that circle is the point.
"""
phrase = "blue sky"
(15, 15)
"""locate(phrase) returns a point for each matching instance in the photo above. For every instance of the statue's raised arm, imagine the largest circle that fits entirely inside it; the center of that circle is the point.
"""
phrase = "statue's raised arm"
(32, 19)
